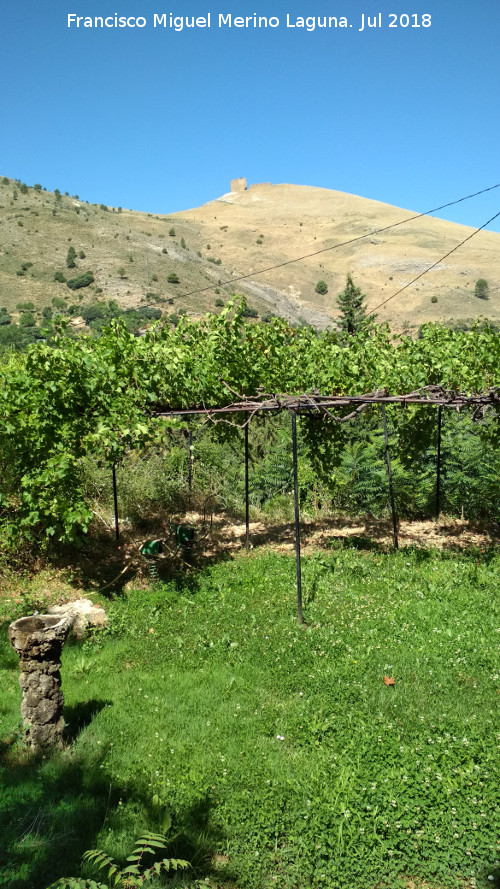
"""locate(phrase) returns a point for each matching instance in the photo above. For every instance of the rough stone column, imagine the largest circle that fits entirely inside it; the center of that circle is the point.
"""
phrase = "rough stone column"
(38, 641)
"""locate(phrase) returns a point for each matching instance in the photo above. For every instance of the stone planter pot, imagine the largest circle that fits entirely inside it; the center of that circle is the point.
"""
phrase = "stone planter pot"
(38, 641)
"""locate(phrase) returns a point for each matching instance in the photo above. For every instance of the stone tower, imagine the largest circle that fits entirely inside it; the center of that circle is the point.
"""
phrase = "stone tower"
(238, 185)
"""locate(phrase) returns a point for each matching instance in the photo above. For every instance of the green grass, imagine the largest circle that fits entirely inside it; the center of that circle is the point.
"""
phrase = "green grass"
(278, 748)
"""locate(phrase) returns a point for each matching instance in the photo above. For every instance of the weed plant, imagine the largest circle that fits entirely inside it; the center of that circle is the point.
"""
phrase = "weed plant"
(279, 751)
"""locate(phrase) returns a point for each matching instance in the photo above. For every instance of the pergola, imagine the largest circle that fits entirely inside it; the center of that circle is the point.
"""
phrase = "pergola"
(327, 406)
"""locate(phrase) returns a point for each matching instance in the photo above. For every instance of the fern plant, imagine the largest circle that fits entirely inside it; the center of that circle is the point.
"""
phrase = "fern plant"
(135, 873)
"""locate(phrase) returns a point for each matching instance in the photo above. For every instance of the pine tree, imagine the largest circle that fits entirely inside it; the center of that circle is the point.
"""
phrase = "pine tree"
(351, 302)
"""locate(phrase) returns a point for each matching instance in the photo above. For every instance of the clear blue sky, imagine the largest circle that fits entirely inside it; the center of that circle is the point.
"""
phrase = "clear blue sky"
(160, 120)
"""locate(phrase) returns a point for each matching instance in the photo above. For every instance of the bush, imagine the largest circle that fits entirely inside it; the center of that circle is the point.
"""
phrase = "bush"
(91, 313)
(80, 281)
(219, 303)
(481, 290)
(321, 287)
(150, 313)
(25, 307)
(27, 320)
(173, 278)
(172, 232)
(249, 312)
(434, 299)
(81, 254)
(70, 258)
(59, 303)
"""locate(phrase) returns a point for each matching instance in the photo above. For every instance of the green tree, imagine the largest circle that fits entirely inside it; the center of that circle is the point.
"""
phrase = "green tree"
(70, 258)
(27, 320)
(173, 278)
(481, 290)
(321, 287)
(351, 302)
(80, 281)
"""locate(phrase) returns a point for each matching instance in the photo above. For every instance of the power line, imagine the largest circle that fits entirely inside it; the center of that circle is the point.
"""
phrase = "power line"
(345, 244)
(434, 264)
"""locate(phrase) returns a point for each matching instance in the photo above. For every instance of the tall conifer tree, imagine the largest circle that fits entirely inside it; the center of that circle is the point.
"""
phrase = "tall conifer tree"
(351, 302)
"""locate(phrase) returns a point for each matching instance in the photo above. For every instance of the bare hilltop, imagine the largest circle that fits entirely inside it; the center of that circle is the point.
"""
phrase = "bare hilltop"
(273, 243)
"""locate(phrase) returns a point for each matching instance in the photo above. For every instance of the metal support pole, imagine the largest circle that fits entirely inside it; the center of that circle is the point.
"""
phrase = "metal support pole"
(438, 466)
(190, 467)
(297, 525)
(389, 477)
(115, 504)
(247, 514)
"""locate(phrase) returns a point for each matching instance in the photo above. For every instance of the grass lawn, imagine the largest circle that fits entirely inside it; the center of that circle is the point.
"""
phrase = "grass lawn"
(279, 753)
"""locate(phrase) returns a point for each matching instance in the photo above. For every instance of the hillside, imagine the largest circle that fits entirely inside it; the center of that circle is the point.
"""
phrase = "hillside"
(132, 255)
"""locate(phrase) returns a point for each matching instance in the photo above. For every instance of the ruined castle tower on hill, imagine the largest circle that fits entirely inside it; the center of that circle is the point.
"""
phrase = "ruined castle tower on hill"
(238, 185)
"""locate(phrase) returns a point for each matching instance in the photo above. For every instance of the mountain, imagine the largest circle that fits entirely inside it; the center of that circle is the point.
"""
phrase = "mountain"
(256, 232)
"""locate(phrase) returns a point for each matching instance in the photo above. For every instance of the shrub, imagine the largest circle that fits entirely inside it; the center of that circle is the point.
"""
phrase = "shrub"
(249, 312)
(150, 313)
(91, 313)
(219, 303)
(5, 318)
(434, 299)
(80, 281)
(37, 186)
(173, 278)
(27, 320)
(58, 276)
(70, 258)
(183, 243)
(164, 250)
(321, 287)
(172, 232)
(81, 254)
(481, 289)
(25, 306)
(58, 303)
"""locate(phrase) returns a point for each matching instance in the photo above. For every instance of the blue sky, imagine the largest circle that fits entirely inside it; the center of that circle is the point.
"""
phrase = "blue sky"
(160, 120)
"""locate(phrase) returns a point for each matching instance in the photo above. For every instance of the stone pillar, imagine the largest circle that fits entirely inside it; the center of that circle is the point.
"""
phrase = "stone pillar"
(38, 641)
